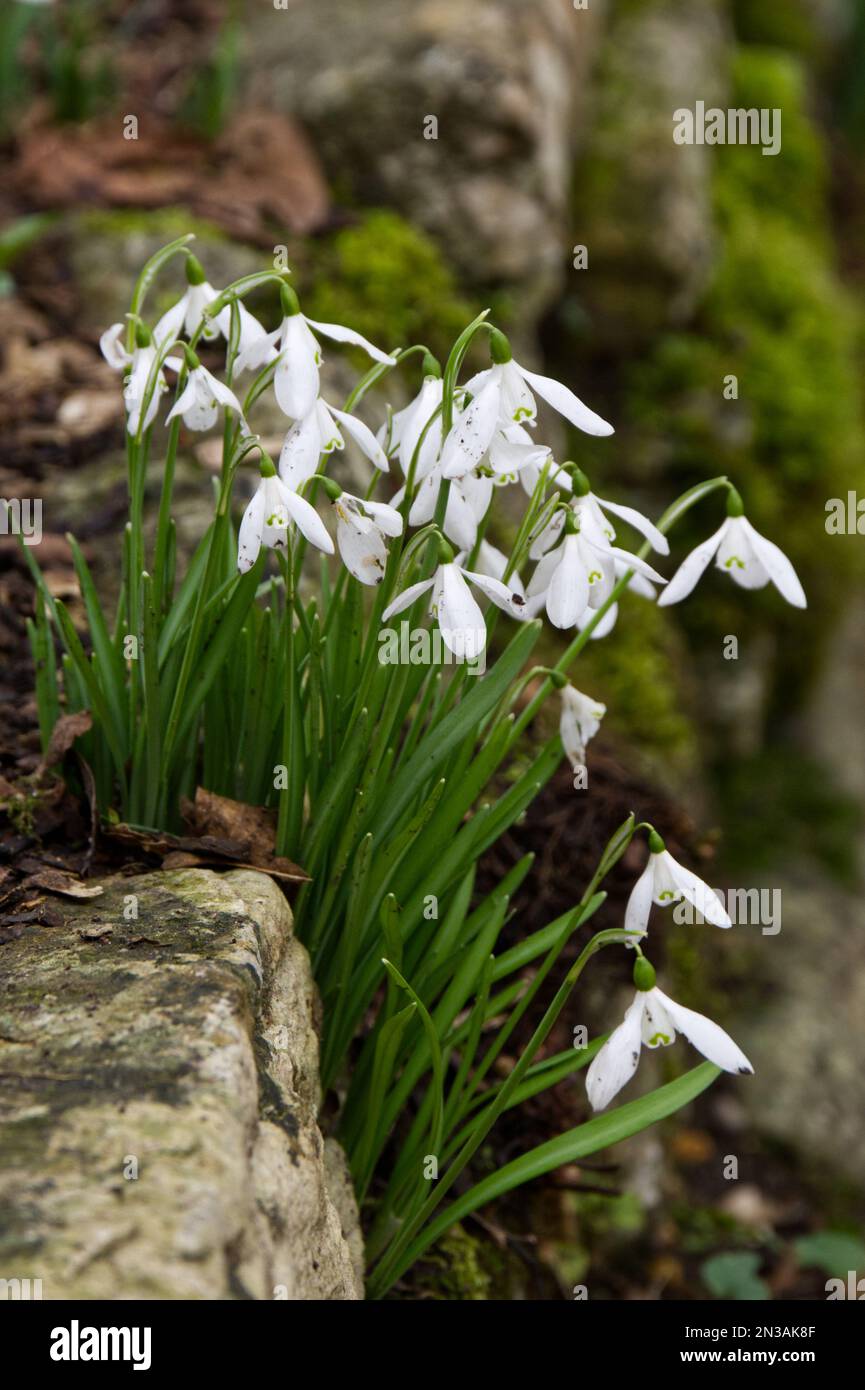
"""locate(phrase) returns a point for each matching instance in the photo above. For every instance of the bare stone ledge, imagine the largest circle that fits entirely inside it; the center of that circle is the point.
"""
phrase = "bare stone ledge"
(159, 1095)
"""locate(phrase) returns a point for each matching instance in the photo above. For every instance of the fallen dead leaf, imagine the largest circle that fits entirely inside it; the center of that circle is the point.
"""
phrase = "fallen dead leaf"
(68, 728)
(56, 881)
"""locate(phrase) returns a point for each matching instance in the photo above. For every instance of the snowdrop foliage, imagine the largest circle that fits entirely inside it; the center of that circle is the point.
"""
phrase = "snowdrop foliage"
(433, 494)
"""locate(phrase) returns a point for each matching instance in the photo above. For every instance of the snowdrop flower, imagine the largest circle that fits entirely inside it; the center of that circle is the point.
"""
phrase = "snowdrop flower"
(268, 516)
(749, 558)
(407, 426)
(188, 314)
(579, 574)
(593, 522)
(579, 722)
(664, 881)
(360, 531)
(295, 348)
(459, 618)
(653, 1020)
(318, 433)
(139, 364)
(502, 396)
(201, 398)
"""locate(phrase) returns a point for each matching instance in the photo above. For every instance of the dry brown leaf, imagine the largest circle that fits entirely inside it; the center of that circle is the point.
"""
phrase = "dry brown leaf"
(68, 728)
(56, 881)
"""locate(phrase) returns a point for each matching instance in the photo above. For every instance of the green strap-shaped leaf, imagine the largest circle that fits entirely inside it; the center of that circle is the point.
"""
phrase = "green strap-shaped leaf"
(597, 1133)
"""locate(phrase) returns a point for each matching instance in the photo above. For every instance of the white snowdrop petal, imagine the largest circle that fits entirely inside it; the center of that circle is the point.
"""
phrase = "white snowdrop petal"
(698, 893)
(691, 569)
(470, 437)
(640, 523)
(340, 334)
(460, 620)
(249, 535)
(306, 518)
(363, 437)
(708, 1038)
(296, 379)
(388, 519)
(778, 567)
(640, 901)
(112, 348)
(301, 450)
(615, 1064)
(566, 403)
(406, 598)
(568, 593)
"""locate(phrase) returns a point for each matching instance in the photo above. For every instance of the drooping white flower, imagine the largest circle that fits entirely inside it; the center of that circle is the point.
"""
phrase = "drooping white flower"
(593, 523)
(407, 428)
(295, 348)
(188, 314)
(652, 1020)
(665, 881)
(318, 433)
(360, 531)
(750, 559)
(580, 574)
(201, 398)
(138, 366)
(580, 720)
(267, 518)
(503, 396)
(113, 347)
(459, 618)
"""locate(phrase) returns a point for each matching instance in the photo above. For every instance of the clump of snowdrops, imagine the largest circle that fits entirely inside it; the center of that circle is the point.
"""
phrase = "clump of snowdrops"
(272, 671)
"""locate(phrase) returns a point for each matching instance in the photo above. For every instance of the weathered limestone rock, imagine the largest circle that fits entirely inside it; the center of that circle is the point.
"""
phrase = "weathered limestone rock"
(179, 1045)
(503, 80)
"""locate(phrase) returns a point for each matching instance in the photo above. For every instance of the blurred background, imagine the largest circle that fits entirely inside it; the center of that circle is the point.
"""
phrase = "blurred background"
(418, 160)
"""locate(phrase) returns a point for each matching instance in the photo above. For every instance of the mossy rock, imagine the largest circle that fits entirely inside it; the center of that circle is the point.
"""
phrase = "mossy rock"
(388, 280)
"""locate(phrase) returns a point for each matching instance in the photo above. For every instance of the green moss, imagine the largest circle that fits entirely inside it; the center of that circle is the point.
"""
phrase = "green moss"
(459, 1269)
(388, 280)
(777, 318)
